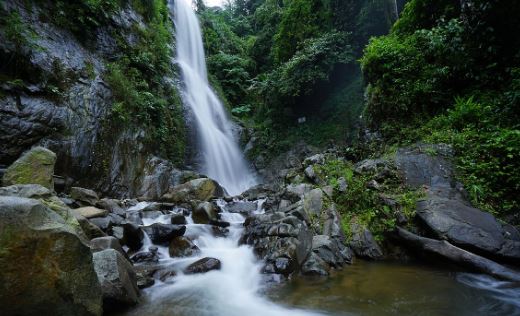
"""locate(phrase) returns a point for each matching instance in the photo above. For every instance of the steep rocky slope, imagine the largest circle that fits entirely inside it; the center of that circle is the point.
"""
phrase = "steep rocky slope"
(56, 91)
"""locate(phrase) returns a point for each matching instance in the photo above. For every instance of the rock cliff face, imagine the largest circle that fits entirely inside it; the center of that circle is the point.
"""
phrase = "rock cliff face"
(54, 93)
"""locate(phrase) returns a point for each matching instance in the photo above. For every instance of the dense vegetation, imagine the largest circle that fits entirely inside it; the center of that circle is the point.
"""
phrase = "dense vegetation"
(449, 73)
(277, 61)
(136, 72)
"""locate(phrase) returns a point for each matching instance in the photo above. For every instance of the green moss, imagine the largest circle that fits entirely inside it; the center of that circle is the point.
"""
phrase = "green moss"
(34, 167)
(364, 206)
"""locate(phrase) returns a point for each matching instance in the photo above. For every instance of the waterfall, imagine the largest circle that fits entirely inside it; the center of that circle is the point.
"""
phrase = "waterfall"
(222, 159)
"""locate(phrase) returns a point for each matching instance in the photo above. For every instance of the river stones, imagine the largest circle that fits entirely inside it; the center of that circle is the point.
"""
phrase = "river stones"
(35, 166)
(164, 233)
(44, 266)
(117, 279)
(203, 265)
(183, 247)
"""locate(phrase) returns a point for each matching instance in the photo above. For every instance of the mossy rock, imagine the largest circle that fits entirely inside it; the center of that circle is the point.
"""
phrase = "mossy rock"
(36, 166)
(45, 268)
(203, 189)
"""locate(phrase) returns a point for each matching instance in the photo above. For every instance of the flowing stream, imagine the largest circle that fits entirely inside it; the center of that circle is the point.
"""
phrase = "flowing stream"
(232, 290)
(222, 159)
(238, 287)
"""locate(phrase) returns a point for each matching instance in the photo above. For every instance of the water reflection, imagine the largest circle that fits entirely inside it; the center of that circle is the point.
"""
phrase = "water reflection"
(368, 288)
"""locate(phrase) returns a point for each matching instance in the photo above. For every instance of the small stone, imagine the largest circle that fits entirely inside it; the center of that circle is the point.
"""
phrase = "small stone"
(90, 212)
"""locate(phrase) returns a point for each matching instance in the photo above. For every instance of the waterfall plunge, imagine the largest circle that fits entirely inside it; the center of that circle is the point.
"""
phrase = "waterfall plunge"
(222, 159)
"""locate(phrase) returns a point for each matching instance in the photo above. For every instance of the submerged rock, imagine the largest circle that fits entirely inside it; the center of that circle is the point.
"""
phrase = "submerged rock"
(36, 166)
(203, 265)
(183, 247)
(44, 266)
(117, 279)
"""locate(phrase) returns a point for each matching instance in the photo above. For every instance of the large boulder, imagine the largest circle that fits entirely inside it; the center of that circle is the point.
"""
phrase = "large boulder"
(44, 266)
(467, 227)
(447, 251)
(36, 166)
(117, 278)
(202, 189)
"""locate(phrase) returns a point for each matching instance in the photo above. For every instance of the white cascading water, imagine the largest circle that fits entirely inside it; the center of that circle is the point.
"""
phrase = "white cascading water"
(231, 291)
(222, 158)
(234, 289)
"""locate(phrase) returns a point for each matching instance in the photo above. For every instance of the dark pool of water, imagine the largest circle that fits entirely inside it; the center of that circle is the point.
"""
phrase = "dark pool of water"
(370, 288)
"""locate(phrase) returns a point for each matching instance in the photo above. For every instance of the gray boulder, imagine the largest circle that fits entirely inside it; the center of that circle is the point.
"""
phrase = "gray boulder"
(203, 265)
(107, 242)
(467, 227)
(457, 255)
(363, 243)
(84, 197)
(117, 279)
(44, 266)
(314, 265)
